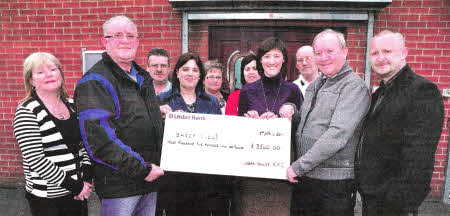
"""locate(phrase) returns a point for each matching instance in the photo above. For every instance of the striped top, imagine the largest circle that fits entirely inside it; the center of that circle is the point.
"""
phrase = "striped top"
(47, 161)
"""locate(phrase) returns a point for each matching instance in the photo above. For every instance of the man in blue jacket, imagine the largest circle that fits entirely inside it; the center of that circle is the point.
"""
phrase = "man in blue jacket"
(395, 157)
(121, 124)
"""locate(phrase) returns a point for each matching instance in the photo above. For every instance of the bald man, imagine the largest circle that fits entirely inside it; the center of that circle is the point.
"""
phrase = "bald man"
(395, 157)
(306, 65)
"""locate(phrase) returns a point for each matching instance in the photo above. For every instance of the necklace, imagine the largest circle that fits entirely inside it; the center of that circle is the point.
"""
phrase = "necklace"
(58, 113)
(265, 99)
(191, 107)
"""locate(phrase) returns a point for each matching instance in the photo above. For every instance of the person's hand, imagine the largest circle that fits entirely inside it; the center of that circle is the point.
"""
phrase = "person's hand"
(252, 114)
(291, 175)
(85, 192)
(179, 110)
(164, 110)
(155, 173)
(286, 111)
(268, 115)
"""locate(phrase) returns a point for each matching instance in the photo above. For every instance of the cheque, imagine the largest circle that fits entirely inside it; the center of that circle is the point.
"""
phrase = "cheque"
(226, 145)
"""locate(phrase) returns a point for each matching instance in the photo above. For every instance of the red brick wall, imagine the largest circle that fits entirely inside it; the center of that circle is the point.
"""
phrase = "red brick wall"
(63, 27)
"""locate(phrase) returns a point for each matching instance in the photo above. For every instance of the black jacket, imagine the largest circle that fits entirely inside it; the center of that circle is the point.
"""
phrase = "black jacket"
(395, 158)
(120, 123)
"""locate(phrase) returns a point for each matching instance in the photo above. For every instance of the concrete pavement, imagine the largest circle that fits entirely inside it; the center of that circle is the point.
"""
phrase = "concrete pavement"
(13, 203)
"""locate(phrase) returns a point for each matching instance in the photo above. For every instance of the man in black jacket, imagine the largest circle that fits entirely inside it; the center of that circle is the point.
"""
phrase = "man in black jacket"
(121, 124)
(395, 157)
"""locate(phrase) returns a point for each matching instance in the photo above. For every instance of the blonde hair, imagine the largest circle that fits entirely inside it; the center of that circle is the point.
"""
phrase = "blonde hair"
(35, 60)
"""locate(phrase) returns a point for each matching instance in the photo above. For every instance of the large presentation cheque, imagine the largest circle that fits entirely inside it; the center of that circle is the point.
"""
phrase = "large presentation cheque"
(226, 145)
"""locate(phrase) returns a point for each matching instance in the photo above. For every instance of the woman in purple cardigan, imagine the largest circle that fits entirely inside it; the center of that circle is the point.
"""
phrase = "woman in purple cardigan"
(263, 99)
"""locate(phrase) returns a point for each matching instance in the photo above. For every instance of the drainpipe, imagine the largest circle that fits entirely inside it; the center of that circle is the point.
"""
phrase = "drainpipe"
(184, 32)
(367, 70)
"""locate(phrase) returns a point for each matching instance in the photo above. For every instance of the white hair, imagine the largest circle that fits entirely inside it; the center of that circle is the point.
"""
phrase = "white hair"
(117, 19)
(338, 35)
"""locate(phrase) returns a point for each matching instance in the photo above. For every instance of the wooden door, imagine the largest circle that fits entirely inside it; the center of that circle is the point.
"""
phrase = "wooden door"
(225, 40)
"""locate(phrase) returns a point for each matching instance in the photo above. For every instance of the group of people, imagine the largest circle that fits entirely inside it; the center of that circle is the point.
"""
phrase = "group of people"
(344, 139)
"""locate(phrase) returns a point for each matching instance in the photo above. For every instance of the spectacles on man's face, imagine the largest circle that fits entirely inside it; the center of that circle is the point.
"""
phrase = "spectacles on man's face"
(212, 77)
(119, 35)
(156, 66)
(307, 59)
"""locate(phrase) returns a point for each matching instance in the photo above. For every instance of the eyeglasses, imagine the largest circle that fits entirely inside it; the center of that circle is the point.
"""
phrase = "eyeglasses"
(155, 66)
(118, 36)
(214, 77)
(307, 59)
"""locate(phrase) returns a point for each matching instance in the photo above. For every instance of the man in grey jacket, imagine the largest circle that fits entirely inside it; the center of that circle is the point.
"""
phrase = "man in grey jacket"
(328, 132)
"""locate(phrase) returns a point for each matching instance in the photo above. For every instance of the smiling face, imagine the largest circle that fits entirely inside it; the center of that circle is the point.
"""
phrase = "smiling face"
(213, 80)
(306, 63)
(251, 73)
(272, 62)
(158, 66)
(329, 55)
(46, 78)
(387, 55)
(121, 42)
(189, 74)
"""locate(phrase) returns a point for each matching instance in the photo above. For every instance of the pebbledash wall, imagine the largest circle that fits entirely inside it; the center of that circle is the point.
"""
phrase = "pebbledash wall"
(64, 27)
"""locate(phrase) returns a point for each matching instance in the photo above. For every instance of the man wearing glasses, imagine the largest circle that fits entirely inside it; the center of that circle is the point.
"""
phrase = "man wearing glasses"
(158, 66)
(120, 124)
(307, 67)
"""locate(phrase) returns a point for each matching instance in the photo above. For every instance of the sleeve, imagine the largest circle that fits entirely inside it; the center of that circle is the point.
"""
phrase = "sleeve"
(351, 107)
(98, 105)
(296, 97)
(422, 130)
(86, 167)
(28, 136)
(243, 102)
(232, 104)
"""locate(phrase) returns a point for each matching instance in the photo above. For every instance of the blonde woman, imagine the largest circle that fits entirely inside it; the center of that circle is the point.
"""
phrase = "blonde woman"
(56, 165)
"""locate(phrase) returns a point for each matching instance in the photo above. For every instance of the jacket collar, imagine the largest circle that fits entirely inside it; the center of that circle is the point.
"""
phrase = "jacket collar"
(399, 81)
(344, 70)
(399, 78)
(200, 94)
(119, 72)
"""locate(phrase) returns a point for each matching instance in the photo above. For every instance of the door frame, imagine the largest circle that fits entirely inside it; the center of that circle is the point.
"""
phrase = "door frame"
(351, 15)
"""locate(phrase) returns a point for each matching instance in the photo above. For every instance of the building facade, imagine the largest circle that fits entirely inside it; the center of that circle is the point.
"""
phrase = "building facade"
(214, 29)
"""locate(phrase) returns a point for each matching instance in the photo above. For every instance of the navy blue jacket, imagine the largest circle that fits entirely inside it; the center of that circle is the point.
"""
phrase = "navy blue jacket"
(121, 127)
(204, 103)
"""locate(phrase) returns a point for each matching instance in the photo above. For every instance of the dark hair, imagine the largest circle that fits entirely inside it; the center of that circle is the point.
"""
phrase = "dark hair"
(181, 61)
(267, 45)
(157, 52)
(245, 61)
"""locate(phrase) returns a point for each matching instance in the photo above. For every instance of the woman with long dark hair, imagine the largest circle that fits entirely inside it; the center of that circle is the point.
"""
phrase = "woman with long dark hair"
(249, 74)
(191, 194)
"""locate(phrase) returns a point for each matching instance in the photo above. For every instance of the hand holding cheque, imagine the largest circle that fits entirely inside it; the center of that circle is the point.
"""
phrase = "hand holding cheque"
(226, 145)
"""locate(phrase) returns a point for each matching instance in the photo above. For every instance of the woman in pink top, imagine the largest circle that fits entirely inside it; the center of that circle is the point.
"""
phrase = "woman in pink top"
(249, 74)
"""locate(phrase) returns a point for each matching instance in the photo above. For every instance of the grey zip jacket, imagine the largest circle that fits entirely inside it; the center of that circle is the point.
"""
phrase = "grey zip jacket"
(326, 140)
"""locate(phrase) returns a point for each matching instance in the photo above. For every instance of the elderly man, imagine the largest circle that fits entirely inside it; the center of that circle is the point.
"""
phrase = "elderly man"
(158, 66)
(395, 157)
(306, 65)
(328, 133)
(120, 123)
